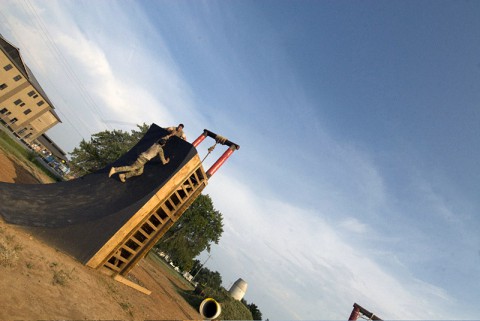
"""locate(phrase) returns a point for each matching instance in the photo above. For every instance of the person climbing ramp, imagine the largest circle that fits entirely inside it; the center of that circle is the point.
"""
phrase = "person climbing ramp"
(176, 131)
(136, 169)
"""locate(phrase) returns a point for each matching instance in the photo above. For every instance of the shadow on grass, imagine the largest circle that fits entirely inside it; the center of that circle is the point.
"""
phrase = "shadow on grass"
(193, 299)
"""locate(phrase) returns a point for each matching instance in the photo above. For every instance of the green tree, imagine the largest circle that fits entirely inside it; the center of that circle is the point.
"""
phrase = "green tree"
(199, 227)
(206, 277)
(256, 314)
(103, 148)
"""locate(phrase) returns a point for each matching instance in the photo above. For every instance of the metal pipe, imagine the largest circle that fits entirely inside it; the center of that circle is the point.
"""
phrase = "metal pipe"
(365, 312)
(214, 136)
(220, 161)
(200, 139)
(355, 313)
(210, 309)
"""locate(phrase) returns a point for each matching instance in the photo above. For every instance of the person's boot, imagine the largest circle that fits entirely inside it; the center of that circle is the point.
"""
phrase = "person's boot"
(122, 178)
(112, 171)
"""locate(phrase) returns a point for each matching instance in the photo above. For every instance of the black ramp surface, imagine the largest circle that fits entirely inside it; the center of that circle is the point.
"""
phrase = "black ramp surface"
(81, 215)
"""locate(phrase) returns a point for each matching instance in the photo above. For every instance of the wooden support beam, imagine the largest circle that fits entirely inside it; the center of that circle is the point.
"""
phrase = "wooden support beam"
(131, 284)
(137, 220)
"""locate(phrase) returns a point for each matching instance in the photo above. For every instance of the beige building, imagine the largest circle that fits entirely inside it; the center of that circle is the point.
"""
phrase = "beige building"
(24, 107)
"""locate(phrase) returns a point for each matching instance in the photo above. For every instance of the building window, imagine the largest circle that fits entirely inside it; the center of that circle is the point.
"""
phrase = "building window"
(22, 131)
(27, 136)
(22, 104)
(35, 96)
(28, 111)
(17, 77)
(3, 86)
(8, 67)
(3, 111)
(30, 94)
(40, 103)
(13, 121)
(18, 102)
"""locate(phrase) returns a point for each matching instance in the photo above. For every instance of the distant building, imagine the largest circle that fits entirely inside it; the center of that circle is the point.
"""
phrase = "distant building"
(50, 145)
(238, 289)
(188, 276)
(24, 107)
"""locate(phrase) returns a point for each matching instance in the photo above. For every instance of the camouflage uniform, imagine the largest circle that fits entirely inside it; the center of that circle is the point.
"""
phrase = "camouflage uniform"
(136, 168)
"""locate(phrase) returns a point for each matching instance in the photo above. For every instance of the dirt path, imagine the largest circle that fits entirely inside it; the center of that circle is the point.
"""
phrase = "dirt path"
(14, 171)
(39, 282)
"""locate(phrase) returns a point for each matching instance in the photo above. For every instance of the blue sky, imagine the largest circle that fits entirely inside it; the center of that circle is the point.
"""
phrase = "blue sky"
(357, 179)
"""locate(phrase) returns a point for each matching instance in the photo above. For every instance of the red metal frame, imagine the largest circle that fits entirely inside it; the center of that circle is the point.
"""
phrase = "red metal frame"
(355, 314)
(219, 139)
(200, 139)
(220, 161)
(357, 310)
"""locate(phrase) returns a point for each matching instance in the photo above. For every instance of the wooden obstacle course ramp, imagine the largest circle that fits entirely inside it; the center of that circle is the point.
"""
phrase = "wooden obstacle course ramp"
(89, 217)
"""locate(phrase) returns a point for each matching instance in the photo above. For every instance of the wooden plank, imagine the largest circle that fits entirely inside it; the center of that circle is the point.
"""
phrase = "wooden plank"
(120, 258)
(196, 179)
(127, 229)
(113, 267)
(184, 188)
(138, 240)
(147, 236)
(166, 209)
(129, 249)
(172, 204)
(155, 238)
(182, 199)
(158, 217)
(189, 185)
(104, 270)
(152, 225)
(131, 284)
(134, 239)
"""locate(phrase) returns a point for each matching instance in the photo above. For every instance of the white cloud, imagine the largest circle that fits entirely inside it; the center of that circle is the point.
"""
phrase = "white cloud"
(87, 73)
(309, 268)
(352, 224)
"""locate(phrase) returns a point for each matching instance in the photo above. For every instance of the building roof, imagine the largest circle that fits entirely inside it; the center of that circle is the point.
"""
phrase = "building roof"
(50, 145)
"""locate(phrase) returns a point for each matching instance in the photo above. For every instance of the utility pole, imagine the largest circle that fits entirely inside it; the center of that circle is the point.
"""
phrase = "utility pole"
(201, 266)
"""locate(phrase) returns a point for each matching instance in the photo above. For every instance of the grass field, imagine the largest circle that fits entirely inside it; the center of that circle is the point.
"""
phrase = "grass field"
(13, 147)
(231, 309)
(168, 269)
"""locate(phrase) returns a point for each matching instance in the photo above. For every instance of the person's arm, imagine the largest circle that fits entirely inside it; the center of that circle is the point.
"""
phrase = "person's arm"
(171, 131)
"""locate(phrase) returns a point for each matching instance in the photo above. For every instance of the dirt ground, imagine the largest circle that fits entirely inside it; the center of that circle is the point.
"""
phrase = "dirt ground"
(12, 170)
(39, 282)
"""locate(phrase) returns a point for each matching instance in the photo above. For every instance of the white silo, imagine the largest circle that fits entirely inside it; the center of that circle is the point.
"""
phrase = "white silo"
(238, 289)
